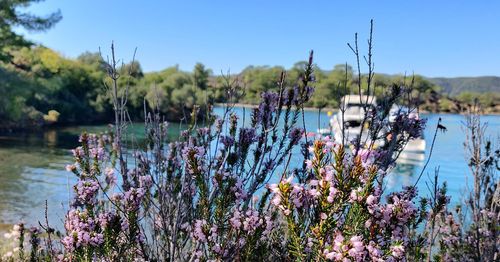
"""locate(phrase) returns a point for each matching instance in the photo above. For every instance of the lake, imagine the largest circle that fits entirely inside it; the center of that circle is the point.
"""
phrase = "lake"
(32, 165)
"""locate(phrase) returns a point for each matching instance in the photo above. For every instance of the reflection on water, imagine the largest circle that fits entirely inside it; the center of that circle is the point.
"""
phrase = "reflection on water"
(32, 164)
(32, 171)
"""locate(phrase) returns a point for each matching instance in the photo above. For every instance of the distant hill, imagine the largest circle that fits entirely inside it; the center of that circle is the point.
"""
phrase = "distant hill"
(456, 85)
(452, 86)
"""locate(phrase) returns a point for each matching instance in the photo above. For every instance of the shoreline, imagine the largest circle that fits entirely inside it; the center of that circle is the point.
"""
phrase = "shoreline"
(334, 110)
(30, 129)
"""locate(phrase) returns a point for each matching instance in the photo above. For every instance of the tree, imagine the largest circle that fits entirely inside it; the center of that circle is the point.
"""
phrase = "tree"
(11, 16)
(201, 75)
(258, 79)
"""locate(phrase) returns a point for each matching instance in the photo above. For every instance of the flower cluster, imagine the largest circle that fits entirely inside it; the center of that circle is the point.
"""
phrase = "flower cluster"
(269, 102)
(194, 159)
(86, 192)
(410, 124)
(82, 231)
(342, 204)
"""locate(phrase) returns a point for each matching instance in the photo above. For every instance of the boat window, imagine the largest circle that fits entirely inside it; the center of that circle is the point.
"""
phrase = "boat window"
(354, 105)
(352, 123)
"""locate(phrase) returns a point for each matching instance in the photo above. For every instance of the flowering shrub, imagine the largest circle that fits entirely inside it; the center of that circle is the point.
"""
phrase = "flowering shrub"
(339, 214)
(207, 197)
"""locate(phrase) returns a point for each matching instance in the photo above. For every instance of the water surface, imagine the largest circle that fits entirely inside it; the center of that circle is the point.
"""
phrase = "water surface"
(32, 164)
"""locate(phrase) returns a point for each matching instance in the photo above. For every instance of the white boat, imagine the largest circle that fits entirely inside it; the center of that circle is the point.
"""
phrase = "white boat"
(415, 145)
(351, 122)
(411, 158)
(348, 126)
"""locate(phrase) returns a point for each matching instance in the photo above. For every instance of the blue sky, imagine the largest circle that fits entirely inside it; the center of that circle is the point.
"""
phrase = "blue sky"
(433, 38)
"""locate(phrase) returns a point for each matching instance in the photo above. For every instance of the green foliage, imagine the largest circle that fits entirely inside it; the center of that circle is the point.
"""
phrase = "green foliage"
(331, 85)
(446, 105)
(37, 80)
(174, 92)
(14, 109)
(200, 76)
(40, 80)
(259, 79)
(11, 15)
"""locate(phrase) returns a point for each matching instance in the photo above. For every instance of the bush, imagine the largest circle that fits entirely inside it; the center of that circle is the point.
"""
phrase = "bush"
(207, 197)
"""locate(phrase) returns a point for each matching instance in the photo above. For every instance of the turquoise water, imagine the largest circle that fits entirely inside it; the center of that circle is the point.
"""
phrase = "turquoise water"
(32, 164)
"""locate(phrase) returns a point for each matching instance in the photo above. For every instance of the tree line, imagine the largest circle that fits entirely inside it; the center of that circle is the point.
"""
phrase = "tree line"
(40, 87)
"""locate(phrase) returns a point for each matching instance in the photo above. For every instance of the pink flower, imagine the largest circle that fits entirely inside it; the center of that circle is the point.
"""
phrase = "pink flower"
(314, 193)
(309, 164)
(274, 188)
(276, 200)
(330, 199)
(338, 242)
(198, 230)
(329, 255)
(331, 194)
(370, 200)
(235, 220)
(311, 149)
(357, 250)
(397, 250)
(355, 195)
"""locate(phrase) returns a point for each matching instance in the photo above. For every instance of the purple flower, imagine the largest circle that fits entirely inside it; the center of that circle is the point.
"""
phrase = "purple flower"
(357, 248)
(247, 136)
(203, 131)
(309, 91)
(145, 181)
(227, 141)
(193, 157)
(86, 192)
(78, 152)
(397, 250)
(81, 231)
(198, 232)
(267, 106)
(218, 125)
(295, 135)
(290, 96)
(133, 197)
(110, 176)
(104, 219)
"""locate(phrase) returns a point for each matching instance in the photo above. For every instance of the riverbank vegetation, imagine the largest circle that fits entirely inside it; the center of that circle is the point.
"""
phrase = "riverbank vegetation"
(38, 80)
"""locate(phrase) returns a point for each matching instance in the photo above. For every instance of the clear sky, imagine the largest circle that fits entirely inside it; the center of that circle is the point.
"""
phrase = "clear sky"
(433, 38)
